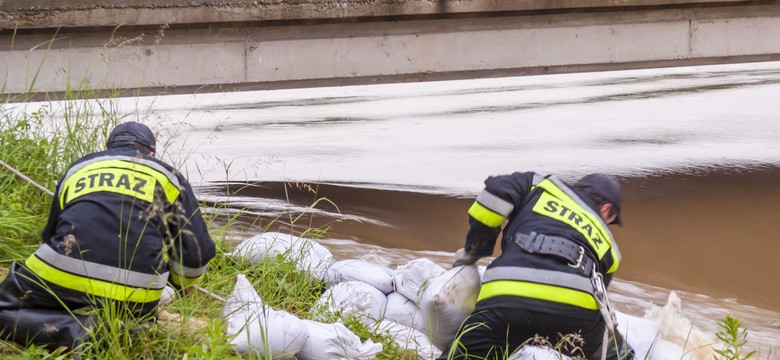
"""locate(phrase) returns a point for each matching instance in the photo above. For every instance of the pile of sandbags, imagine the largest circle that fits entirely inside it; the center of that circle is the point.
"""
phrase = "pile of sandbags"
(258, 330)
(420, 305)
(307, 254)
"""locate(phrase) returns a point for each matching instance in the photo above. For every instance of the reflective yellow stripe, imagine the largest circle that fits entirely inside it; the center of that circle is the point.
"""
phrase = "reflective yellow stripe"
(538, 291)
(615, 263)
(91, 286)
(184, 282)
(555, 203)
(485, 215)
(118, 181)
(123, 177)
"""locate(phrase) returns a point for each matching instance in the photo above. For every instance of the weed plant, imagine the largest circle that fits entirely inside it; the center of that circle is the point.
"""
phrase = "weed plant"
(734, 339)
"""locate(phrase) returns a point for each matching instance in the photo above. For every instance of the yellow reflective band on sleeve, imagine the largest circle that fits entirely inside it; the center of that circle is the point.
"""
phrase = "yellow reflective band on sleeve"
(615, 263)
(100, 288)
(538, 291)
(485, 215)
(117, 176)
(184, 282)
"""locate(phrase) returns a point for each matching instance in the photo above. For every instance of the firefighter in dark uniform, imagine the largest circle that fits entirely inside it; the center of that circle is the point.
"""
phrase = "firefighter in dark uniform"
(557, 257)
(122, 225)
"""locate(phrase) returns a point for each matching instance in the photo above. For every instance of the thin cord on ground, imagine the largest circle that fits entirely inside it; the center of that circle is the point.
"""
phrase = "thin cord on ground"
(25, 178)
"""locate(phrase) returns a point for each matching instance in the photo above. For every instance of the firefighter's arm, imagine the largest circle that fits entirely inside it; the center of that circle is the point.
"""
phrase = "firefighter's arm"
(192, 247)
(480, 241)
(502, 194)
(54, 213)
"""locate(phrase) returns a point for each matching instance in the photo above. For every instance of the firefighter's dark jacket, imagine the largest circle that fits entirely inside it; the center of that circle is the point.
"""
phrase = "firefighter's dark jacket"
(121, 225)
(530, 203)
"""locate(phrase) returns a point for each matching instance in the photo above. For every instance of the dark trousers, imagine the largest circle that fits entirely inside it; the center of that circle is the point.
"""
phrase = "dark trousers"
(39, 313)
(497, 332)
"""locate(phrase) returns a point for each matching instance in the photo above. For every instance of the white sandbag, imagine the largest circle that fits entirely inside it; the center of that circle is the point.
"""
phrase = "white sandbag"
(378, 276)
(409, 279)
(481, 269)
(307, 254)
(446, 301)
(335, 342)
(638, 332)
(355, 297)
(409, 338)
(531, 352)
(241, 306)
(403, 311)
(665, 350)
(259, 330)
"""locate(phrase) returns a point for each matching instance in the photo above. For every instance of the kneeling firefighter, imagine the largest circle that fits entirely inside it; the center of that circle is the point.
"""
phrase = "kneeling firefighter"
(115, 218)
(557, 257)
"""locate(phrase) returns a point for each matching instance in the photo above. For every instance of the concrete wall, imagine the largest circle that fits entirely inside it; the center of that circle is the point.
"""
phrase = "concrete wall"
(341, 42)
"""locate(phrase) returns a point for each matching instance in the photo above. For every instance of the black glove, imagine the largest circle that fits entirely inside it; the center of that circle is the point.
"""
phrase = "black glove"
(464, 258)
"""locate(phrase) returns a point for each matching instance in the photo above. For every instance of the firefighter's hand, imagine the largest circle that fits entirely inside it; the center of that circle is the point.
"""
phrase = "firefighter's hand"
(464, 258)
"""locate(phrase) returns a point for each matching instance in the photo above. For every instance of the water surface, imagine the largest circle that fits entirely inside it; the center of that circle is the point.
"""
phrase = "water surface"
(696, 149)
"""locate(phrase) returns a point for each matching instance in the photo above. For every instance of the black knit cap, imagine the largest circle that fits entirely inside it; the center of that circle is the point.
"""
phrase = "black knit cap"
(606, 187)
(133, 132)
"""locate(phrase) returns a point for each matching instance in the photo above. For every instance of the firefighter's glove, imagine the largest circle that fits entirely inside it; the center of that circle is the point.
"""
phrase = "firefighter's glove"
(464, 258)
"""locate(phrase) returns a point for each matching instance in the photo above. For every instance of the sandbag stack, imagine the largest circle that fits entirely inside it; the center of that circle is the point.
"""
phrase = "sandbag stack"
(335, 341)
(420, 305)
(423, 311)
(307, 254)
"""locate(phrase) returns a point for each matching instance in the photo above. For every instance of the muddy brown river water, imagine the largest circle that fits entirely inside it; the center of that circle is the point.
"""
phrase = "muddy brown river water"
(695, 148)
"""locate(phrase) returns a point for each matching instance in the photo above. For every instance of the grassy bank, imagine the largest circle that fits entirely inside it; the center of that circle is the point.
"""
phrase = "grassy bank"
(40, 140)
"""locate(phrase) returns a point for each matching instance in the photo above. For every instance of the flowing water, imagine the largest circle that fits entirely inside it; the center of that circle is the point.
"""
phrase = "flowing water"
(392, 169)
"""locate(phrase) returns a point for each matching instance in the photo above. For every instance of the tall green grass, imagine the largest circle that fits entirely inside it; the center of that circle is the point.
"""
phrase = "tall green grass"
(40, 140)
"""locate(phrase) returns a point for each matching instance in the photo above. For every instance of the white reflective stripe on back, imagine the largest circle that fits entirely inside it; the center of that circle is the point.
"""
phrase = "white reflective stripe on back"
(495, 203)
(549, 277)
(99, 271)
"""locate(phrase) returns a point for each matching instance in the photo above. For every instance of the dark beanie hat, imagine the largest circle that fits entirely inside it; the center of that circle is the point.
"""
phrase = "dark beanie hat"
(606, 187)
(133, 132)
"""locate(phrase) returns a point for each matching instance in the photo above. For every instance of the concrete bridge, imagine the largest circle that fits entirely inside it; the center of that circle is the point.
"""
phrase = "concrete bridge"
(166, 46)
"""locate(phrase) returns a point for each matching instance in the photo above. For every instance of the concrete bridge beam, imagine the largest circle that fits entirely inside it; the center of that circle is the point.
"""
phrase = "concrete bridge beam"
(330, 42)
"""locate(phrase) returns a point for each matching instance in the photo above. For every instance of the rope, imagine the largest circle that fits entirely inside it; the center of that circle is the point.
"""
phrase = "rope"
(605, 309)
(209, 293)
(25, 178)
